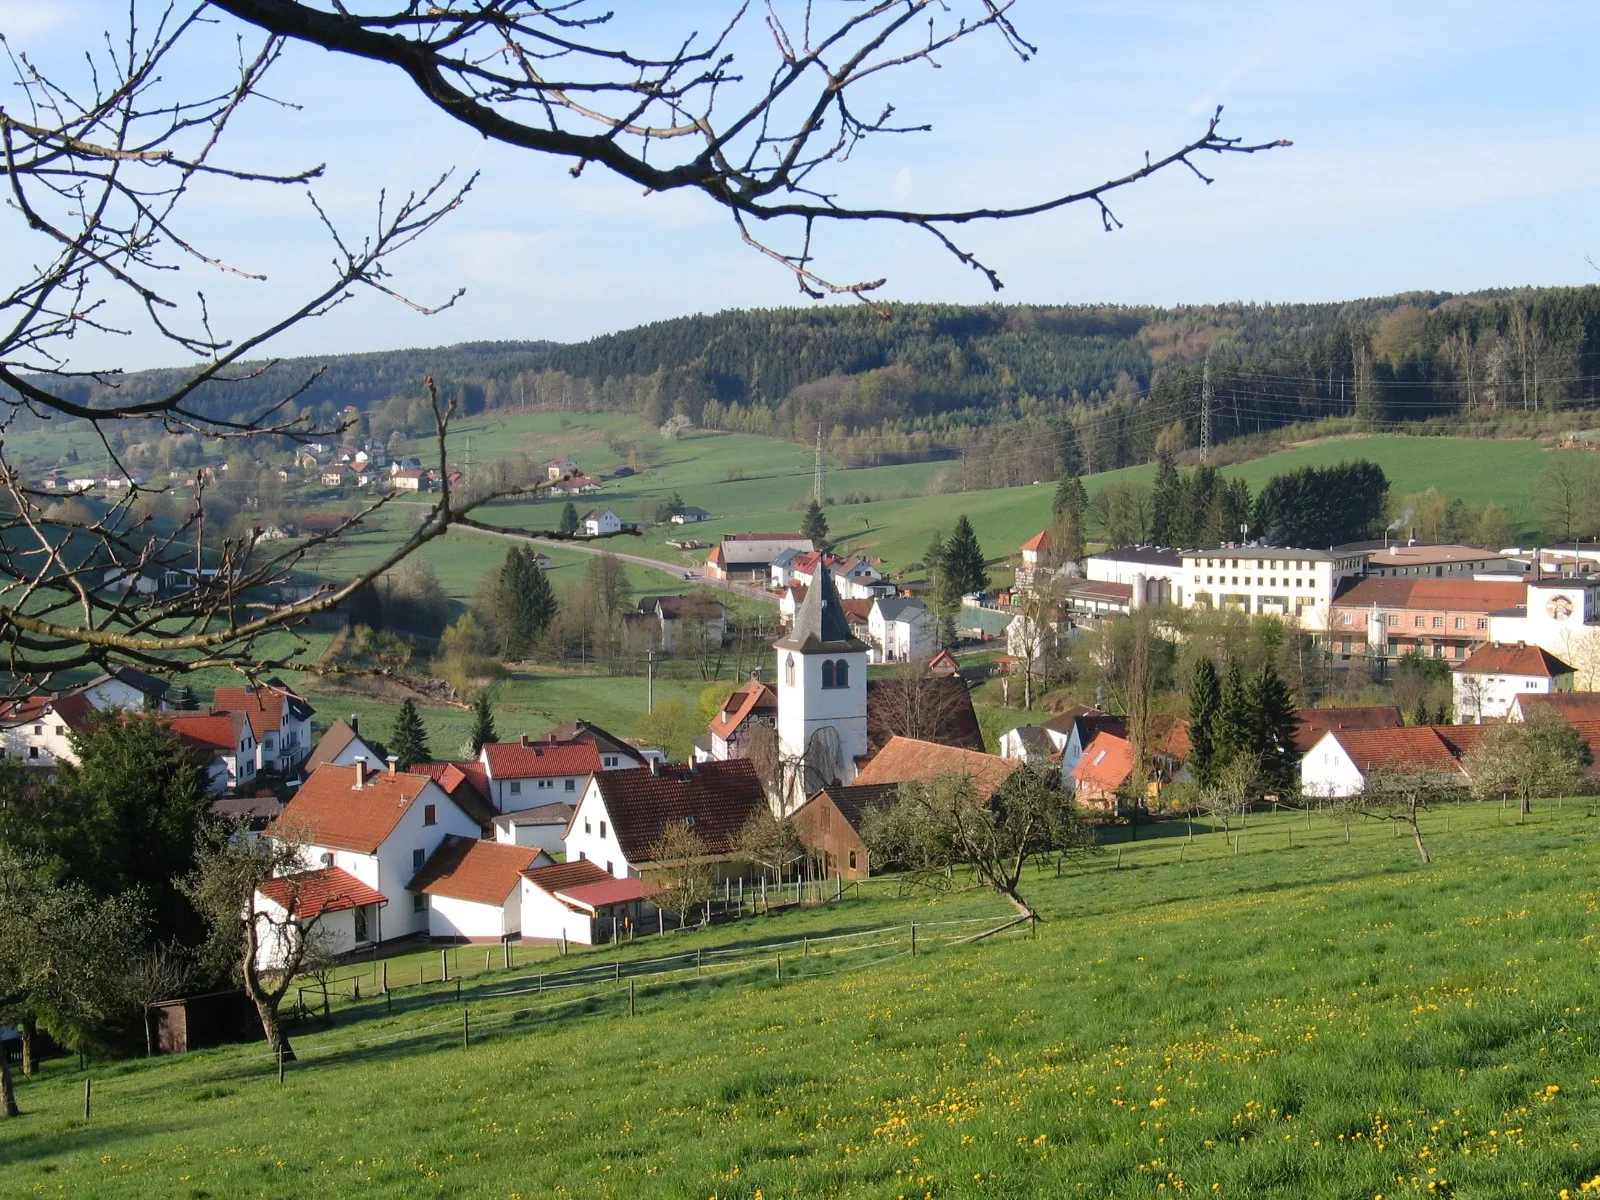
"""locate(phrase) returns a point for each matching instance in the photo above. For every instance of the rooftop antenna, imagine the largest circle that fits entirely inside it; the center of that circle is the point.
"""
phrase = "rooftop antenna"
(816, 485)
(1205, 410)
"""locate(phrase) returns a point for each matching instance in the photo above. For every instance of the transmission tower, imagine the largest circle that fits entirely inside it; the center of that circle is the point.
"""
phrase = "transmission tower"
(1205, 410)
(816, 485)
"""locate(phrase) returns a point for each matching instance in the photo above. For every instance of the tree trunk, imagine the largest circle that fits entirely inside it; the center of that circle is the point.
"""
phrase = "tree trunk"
(8, 1092)
(1018, 903)
(30, 1034)
(1416, 832)
(272, 1026)
(149, 1039)
(1525, 810)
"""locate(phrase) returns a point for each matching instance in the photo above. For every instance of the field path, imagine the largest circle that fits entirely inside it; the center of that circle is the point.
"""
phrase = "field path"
(694, 575)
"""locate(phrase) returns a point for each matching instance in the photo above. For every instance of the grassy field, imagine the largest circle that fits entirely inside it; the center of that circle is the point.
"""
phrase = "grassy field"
(1311, 1017)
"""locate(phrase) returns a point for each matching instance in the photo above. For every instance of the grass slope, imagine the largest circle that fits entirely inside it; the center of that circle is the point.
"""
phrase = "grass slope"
(1327, 1019)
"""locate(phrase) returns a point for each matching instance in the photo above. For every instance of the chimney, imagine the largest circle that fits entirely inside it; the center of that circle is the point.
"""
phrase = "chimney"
(394, 763)
(1395, 549)
(524, 741)
(361, 771)
(355, 724)
(655, 766)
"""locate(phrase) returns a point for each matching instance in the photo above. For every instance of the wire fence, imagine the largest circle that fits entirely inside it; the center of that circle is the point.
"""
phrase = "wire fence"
(490, 1008)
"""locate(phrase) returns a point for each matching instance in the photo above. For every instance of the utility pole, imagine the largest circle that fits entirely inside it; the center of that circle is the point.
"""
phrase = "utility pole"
(816, 485)
(650, 674)
(469, 460)
(1205, 410)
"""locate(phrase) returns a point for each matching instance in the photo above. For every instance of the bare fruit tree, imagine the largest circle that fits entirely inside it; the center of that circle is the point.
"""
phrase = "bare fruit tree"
(100, 159)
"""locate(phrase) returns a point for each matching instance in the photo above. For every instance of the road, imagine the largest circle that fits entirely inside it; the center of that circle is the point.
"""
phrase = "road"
(605, 546)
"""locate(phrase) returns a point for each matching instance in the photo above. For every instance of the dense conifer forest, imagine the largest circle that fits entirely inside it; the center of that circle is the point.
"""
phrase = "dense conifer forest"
(1016, 392)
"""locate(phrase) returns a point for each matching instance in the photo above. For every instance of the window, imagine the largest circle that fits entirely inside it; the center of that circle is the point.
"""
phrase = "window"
(572, 785)
(582, 856)
(33, 752)
(361, 924)
(602, 829)
(419, 903)
(609, 762)
(610, 870)
(1461, 622)
(545, 784)
(841, 674)
(1438, 649)
(61, 731)
(1483, 622)
(516, 787)
(418, 857)
(852, 860)
(1438, 622)
(587, 828)
(1344, 618)
(430, 814)
(690, 821)
(827, 673)
(39, 730)
(1394, 619)
(1420, 622)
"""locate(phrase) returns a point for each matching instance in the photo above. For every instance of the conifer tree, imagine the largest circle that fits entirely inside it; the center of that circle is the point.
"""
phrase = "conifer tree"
(1070, 497)
(483, 730)
(1205, 698)
(964, 569)
(1167, 503)
(569, 519)
(408, 741)
(1272, 709)
(815, 525)
(1234, 730)
(541, 598)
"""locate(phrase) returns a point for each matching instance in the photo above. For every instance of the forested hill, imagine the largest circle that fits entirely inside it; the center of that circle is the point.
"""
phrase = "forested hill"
(1088, 386)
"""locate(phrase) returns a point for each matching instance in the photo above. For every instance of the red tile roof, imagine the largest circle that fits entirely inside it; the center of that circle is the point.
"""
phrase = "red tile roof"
(594, 896)
(199, 731)
(754, 695)
(263, 705)
(1039, 541)
(468, 869)
(1312, 723)
(1106, 763)
(1574, 706)
(1514, 658)
(309, 894)
(560, 876)
(904, 758)
(465, 783)
(717, 796)
(1432, 595)
(541, 760)
(1412, 748)
(329, 810)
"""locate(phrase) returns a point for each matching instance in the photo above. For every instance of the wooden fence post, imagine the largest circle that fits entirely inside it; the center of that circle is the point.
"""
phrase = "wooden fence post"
(505, 947)
(697, 960)
(280, 1064)
(630, 997)
(88, 1090)
(385, 977)
(913, 939)
(466, 1028)
(778, 970)
(444, 966)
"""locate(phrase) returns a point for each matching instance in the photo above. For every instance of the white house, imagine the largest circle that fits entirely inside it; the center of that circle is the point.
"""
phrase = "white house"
(689, 515)
(527, 774)
(340, 746)
(578, 902)
(857, 579)
(35, 730)
(544, 827)
(381, 827)
(623, 813)
(474, 888)
(600, 521)
(280, 719)
(341, 910)
(1340, 761)
(902, 629)
(782, 564)
(222, 743)
(1561, 616)
(753, 706)
(1489, 681)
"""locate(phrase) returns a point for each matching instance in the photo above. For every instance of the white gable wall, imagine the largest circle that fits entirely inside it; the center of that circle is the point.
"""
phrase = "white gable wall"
(451, 917)
(1328, 771)
(592, 837)
(543, 916)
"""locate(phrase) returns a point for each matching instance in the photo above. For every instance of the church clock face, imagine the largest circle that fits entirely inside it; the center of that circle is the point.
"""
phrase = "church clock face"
(1559, 608)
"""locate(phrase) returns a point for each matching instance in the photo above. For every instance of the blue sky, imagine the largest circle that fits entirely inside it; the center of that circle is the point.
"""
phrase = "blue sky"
(1445, 146)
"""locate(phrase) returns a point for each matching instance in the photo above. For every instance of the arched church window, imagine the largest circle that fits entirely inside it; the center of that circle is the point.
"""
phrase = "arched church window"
(788, 670)
(841, 674)
(827, 674)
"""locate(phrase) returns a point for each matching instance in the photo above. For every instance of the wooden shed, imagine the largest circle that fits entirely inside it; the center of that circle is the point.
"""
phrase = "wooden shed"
(829, 826)
(196, 1022)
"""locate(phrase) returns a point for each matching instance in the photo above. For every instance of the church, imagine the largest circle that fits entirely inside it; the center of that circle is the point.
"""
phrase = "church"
(827, 717)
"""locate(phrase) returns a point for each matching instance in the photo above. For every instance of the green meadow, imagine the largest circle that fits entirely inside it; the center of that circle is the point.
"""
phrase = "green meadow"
(1307, 1017)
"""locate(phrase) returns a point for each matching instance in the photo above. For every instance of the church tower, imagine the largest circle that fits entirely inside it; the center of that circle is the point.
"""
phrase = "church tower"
(822, 693)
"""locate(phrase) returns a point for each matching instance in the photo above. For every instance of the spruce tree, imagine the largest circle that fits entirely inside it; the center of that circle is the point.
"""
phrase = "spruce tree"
(1205, 698)
(815, 525)
(540, 597)
(1234, 730)
(1070, 497)
(510, 607)
(408, 742)
(569, 519)
(963, 561)
(483, 730)
(1167, 503)
(1272, 710)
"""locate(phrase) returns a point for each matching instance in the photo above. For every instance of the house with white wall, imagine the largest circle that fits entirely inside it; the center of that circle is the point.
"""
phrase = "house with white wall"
(543, 827)
(624, 813)
(280, 720)
(1486, 685)
(902, 629)
(1339, 764)
(340, 746)
(474, 888)
(223, 745)
(600, 521)
(341, 911)
(380, 826)
(579, 903)
(527, 773)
